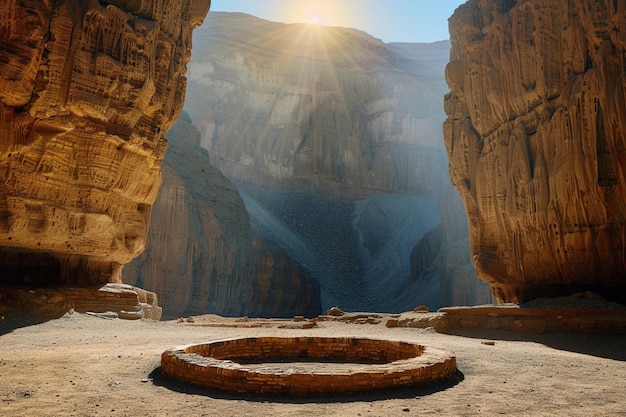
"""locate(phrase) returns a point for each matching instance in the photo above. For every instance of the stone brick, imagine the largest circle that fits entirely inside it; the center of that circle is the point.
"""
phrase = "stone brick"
(233, 365)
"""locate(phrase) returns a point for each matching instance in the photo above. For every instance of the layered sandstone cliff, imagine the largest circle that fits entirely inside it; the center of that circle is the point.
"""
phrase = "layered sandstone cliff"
(87, 91)
(535, 137)
(201, 254)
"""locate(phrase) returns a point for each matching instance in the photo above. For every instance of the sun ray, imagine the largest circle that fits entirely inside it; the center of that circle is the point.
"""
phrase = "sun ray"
(316, 62)
(319, 12)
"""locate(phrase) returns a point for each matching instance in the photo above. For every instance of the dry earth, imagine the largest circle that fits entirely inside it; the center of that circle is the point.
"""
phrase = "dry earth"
(80, 365)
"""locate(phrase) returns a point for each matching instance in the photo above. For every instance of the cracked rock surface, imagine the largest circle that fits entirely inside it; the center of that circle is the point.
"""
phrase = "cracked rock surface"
(535, 138)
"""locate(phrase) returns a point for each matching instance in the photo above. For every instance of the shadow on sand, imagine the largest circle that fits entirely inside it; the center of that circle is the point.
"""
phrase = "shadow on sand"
(10, 321)
(602, 346)
(159, 378)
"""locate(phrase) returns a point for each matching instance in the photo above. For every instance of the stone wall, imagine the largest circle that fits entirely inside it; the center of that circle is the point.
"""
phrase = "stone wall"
(600, 321)
(215, 365)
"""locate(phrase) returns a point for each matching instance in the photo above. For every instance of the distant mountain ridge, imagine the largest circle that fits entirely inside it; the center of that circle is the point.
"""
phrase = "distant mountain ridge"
(327, 109)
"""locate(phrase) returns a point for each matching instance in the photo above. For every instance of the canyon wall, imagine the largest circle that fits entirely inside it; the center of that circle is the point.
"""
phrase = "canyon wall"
(327, 110)
(536, 140)
(201, 254)
(87, 91)
(281, 287)
(334, 141)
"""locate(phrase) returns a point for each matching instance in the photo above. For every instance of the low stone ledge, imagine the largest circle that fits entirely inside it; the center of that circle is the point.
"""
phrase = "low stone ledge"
(608, 321)
(125, 301)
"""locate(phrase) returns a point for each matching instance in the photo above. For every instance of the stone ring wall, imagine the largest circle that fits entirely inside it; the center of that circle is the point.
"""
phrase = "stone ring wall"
(301, 366)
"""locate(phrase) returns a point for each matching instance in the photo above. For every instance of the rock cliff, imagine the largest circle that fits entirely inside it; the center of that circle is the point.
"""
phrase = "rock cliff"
(282, 287)
(201, 255)
(535, 138)
(334, 141)
(87, 90)
(327, 110)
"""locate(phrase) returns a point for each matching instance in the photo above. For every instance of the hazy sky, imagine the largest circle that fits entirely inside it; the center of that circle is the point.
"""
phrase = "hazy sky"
(389, 20)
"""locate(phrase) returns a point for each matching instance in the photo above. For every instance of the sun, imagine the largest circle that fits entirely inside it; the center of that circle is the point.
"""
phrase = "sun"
(316, 16)
(316, 12)
(315, 20)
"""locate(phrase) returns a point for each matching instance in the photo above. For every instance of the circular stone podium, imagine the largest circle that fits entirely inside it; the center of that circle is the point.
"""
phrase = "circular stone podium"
(302, 366)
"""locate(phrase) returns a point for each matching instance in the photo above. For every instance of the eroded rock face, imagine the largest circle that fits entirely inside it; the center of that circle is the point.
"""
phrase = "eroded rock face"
(87, 91)
(199, 254)
(202, 256)
(535, 137)
(282, 287)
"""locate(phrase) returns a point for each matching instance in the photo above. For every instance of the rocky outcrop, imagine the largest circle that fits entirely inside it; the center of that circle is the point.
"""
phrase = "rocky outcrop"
(282, 288)
(87, 91)
(460, 285)
(201, 255)
(535, 137)
(109, 301)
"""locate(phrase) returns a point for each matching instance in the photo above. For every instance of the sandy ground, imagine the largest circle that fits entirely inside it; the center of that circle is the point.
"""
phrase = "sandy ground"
(81, 365)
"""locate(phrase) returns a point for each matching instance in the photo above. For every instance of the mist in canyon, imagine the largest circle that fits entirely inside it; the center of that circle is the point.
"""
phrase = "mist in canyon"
(358, 251)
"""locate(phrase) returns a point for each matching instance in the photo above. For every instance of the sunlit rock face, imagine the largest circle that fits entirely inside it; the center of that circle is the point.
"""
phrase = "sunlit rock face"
(87, 90)
(201, 254)
(535, 137)
(334, 141)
